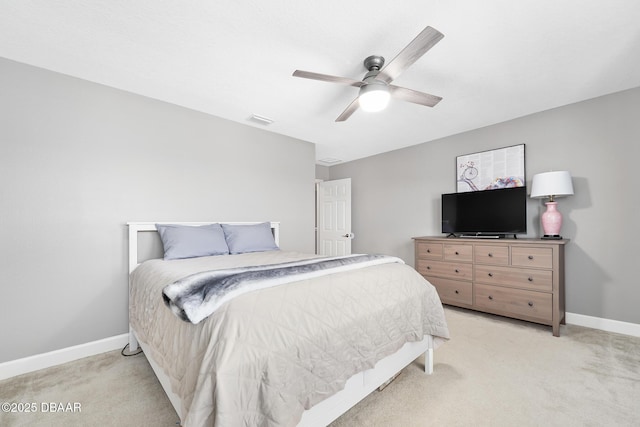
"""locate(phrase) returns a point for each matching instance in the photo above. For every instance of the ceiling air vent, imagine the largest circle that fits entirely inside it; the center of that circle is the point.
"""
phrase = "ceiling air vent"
(329, 161)
(265, 121)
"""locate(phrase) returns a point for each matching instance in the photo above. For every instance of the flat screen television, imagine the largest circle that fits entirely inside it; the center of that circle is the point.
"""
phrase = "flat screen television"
(488, 213)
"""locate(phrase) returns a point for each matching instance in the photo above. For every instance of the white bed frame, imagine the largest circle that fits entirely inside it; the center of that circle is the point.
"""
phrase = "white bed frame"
(322, 414)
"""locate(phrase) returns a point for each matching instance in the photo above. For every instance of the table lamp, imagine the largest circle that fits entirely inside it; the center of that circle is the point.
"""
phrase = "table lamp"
(551, 185)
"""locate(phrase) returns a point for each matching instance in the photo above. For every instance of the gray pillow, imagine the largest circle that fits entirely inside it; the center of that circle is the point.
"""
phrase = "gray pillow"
(242, 238)
(188, 241)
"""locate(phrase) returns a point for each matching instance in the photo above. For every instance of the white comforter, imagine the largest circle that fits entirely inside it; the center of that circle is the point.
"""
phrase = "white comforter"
(266, 356)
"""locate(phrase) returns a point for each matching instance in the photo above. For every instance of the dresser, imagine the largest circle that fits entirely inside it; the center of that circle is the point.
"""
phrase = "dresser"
(519, 278)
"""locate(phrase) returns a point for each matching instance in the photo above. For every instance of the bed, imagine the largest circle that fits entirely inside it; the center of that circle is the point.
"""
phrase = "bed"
(297, 353)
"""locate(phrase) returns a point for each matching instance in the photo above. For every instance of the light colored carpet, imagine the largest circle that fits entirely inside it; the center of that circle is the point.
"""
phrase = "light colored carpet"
(494, 372)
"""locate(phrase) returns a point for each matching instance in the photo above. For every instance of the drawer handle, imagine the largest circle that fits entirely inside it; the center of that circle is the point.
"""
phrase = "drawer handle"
(530, 304)
(457, 291)
(490, 255)
(490, 297)
(490, 274)
(530, 257)
(428, 267)
(428, 251)
(530, 279)
(457, 271)
(457, 253)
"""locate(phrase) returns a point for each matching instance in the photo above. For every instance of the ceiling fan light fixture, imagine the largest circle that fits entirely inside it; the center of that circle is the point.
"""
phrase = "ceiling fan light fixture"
(374, 97)
(375, 87)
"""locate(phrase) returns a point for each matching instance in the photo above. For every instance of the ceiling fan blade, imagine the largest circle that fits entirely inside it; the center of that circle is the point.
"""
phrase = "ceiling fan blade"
(348, 111)
(327, 78)
(410, 54)
(414, 96)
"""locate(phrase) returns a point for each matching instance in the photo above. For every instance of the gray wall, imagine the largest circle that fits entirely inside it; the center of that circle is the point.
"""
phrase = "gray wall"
(322, 172)
(396, 195)
(78, 160)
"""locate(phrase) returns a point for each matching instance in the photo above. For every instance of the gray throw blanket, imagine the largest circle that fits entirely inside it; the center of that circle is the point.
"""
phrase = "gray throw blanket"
(197, 296)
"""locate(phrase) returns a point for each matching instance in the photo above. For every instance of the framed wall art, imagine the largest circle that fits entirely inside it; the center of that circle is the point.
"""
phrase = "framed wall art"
(490, 170)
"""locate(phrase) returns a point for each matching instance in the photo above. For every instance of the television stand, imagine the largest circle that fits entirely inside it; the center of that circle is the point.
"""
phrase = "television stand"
(522, 279)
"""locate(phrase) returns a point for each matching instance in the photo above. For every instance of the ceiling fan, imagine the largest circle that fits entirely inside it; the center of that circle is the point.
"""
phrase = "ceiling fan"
(375, 87)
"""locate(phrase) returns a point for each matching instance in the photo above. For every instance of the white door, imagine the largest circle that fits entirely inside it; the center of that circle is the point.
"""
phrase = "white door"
(334, 217)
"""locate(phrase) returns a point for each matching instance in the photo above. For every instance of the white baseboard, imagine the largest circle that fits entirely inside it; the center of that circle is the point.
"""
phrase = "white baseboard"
(69, 354)
(58, 357)
(608, 325)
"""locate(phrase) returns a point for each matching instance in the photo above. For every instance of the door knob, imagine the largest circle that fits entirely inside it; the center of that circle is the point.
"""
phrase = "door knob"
(349, 235)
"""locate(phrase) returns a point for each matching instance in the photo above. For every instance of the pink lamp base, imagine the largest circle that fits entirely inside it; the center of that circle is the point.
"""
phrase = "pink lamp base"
(552, 221)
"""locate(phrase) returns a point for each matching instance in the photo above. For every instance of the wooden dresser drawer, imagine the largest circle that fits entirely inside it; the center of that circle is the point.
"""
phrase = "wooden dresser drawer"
(429, 250)
(537, 280)
(527, 305)
(522, 256)
(456, 252)
(448, 270)
(489, 254)
(453, 292)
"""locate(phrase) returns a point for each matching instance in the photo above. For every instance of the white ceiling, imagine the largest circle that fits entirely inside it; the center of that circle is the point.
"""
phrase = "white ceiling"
(499, 59)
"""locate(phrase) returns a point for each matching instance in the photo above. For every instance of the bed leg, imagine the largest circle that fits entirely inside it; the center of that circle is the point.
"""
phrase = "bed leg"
(133, 342)
(428, 358)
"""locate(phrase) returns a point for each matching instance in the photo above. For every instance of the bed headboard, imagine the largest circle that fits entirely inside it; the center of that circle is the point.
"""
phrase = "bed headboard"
(150, 227)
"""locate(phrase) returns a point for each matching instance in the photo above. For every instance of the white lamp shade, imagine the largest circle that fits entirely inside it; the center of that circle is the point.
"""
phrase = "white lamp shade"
(552, 184)
(374, 97)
